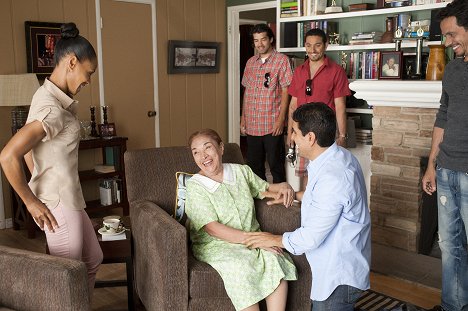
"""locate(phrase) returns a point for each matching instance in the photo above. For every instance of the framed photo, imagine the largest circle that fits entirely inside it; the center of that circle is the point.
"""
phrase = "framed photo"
(193, 57)
(40, 44)
(409, 66)
(107, 130)
(390, 65)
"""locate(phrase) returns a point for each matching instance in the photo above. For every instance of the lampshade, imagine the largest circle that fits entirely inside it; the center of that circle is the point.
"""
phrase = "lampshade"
(17, 90)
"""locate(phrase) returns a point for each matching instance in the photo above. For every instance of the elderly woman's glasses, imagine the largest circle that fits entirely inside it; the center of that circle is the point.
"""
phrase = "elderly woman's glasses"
(267, 80)
(308, 89)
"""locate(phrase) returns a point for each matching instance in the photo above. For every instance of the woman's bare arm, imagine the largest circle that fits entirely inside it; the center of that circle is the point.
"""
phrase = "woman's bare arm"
(224, 232)
(11, 159)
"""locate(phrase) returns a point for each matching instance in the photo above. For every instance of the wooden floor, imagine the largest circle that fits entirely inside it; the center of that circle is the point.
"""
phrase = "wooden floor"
(106, 299)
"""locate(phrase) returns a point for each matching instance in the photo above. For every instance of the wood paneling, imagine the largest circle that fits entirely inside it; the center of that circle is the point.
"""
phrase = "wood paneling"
(186, 102)
(193, 101)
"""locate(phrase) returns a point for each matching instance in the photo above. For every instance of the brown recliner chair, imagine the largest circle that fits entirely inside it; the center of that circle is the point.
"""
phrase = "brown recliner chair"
(32, 281)
(167, 276)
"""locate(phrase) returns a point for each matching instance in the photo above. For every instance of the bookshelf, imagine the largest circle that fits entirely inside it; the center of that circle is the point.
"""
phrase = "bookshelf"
(358, 19)
(112, 150)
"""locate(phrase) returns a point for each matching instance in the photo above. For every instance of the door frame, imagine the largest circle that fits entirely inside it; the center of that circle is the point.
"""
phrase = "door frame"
(102, 100)
(234, 64)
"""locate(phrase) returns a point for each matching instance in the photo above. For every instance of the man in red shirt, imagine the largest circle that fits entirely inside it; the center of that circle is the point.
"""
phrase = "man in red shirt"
(319, 79)
(266, 79)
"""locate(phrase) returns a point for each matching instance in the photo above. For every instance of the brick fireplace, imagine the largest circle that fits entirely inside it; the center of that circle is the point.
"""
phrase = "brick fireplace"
(403, 117)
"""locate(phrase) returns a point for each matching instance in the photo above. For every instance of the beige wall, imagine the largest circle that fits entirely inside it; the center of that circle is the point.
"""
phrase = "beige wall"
(187, 102)
(191, 102)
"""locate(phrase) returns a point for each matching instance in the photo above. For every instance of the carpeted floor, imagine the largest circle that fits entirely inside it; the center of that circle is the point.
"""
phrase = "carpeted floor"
(373, 301)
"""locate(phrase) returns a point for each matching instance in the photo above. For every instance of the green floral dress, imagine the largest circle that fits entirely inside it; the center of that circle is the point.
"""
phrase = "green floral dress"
(248, 275)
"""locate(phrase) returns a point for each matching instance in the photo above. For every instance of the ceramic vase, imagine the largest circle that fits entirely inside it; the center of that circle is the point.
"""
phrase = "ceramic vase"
(436, 62)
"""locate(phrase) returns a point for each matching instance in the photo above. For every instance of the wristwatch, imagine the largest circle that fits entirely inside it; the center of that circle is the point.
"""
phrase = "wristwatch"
(345, 136)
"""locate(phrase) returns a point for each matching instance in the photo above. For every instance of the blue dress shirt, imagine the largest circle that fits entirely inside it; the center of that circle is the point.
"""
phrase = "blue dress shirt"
(335, 224)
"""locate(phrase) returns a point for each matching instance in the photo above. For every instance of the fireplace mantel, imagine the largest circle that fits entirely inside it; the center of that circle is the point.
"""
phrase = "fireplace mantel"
(398, 93)
(403, 118)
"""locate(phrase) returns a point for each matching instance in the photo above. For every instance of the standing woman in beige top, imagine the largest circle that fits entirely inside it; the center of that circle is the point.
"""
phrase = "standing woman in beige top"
(49, 144)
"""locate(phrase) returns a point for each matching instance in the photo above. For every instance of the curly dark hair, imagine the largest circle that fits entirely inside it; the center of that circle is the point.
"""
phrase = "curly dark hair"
(260, 28)
(457, 9)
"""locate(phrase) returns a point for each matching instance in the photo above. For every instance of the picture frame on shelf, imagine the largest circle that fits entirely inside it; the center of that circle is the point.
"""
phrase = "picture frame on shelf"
(107, 130)
(41, 38)
(390, 65)
(193, 57)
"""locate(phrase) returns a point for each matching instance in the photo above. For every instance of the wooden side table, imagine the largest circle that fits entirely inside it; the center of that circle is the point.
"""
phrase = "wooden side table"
(119, 251)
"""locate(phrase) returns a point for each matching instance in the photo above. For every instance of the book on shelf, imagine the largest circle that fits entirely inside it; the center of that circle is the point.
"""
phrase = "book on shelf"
(361, 42)
(360, 7)
(396, 3)
(288, 4)
(303, 27)
(414, 34)
(291, 8)
(289, 11)
(399, 2)
(104, 168)
(367, 35)
(288, 34)
(364, 65)
(314, 7)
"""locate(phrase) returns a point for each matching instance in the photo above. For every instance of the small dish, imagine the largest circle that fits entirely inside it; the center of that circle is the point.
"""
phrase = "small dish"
(103, 231)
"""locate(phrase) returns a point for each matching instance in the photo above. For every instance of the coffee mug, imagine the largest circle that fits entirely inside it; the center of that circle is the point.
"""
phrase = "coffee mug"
(111, 224)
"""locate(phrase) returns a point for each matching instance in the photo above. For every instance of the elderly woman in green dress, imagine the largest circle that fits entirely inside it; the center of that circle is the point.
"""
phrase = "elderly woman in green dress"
(221, 209)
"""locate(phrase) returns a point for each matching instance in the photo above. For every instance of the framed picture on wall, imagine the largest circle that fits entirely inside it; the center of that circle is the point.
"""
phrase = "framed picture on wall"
(40, 44)
(193, 57)
(391, 63)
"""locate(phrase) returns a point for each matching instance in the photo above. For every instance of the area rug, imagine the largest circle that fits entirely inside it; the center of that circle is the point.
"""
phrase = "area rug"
(373, 301)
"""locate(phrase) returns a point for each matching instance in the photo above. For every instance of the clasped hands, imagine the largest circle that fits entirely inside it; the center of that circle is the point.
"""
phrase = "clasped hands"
(282, 193)
(264, 240)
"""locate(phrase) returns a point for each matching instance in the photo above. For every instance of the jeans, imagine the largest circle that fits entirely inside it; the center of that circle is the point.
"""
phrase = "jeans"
(269, 147)
(452, 195)
(343, 298)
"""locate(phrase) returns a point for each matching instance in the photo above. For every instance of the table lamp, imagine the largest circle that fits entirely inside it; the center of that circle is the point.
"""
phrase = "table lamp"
(17, 91)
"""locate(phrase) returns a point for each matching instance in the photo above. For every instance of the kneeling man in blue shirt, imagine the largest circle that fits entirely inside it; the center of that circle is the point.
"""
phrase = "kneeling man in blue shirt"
(335, 220)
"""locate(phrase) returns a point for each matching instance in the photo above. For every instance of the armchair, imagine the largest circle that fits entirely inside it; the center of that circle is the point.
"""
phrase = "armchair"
(34, 281)
(167, 276)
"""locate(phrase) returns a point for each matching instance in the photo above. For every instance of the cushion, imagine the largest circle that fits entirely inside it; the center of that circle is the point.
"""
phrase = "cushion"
(181, 190)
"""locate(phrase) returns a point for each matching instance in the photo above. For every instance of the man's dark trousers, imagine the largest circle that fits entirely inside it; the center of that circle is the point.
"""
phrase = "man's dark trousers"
(272, 149)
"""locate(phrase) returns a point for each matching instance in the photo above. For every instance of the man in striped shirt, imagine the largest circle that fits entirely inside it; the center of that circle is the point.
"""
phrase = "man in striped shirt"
(266, 79)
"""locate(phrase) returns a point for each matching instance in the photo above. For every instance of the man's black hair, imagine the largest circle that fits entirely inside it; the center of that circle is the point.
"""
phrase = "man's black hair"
(457, 9)
(319, 119)
(259, 28)
(316, 32)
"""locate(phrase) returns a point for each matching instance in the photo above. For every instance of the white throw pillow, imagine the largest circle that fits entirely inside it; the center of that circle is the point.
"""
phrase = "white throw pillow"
(181, 191)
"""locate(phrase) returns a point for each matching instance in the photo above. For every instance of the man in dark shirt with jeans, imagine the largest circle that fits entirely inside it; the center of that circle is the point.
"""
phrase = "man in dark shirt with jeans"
(448, 160)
